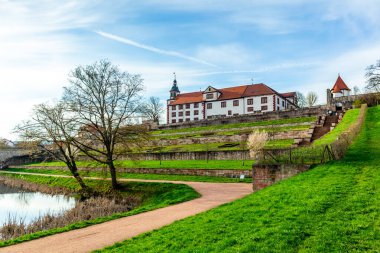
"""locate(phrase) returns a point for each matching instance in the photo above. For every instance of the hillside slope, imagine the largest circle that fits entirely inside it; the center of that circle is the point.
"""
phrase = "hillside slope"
(332, 208)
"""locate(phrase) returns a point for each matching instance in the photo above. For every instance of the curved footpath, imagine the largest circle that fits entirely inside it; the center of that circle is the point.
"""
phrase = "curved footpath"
(106, 234)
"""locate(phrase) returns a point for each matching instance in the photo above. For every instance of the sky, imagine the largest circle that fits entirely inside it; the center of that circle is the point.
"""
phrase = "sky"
(291, 45)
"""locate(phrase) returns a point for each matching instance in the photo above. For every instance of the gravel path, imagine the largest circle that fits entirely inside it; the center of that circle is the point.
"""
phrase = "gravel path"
(106, 234)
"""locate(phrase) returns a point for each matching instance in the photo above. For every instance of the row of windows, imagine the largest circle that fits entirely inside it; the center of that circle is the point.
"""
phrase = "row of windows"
(264, 100)
(181, 120)
(187, 113)
(223, 105)
(187, 106)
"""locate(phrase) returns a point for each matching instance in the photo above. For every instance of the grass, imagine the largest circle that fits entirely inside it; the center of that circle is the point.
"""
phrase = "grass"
(333, 207)
(237, 125)
(186, 178)
(153, 196)
(349, 117)
(167, 164)
(229, 132)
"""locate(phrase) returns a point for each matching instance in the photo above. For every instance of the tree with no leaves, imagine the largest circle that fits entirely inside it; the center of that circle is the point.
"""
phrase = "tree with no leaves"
(104, 100)
(53, 130)
(373, 77)
(152, 109)
(301, 100)
(311, 98)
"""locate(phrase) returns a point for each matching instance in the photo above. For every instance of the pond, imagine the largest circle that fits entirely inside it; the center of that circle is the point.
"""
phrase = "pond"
(28, 206)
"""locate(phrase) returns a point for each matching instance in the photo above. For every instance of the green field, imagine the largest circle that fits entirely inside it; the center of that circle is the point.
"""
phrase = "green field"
(152, 195)
(237, 125)
(349, 117)
(333, 207)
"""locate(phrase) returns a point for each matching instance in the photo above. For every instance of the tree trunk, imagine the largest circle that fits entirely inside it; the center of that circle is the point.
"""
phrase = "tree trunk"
(74, 172)
(112, 168)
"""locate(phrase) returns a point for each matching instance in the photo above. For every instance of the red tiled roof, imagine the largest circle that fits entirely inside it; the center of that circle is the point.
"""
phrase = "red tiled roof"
(226, 93)
(288, 94)
(339, 85)
(186, 98)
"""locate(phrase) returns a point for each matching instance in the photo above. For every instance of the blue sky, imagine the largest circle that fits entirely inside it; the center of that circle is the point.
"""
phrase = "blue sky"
(289, 45)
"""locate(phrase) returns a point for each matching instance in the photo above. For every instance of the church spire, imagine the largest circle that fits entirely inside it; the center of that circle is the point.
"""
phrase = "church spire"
(174, 91)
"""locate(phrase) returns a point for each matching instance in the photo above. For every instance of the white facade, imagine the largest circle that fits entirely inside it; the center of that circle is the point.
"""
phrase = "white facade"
(343, 93)
(226, 108)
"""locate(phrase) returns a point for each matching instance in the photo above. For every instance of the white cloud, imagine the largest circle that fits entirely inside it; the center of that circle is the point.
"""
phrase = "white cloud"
(153, 49)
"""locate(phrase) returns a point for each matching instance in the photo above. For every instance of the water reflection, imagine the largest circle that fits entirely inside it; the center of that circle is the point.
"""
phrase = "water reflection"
(19, 204)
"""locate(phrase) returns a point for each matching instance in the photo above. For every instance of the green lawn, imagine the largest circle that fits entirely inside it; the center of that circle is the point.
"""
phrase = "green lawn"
(238, 125)
(269, 129)
(333, 207)
(349, 117)
(153, 196)
(187, 178)
(167, 164)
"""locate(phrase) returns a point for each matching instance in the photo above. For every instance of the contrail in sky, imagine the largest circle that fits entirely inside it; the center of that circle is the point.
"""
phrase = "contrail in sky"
(153, 49)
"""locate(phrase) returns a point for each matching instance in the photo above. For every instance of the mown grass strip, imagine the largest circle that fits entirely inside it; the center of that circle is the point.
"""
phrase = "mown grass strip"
(186, 178)
(238, 125)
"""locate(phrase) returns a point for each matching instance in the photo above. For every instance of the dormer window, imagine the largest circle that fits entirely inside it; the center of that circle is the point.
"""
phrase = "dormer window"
(209, 96)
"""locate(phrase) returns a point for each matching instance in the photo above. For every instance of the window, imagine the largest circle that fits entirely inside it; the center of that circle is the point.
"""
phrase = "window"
(250, 109)
(250, 101)
(283, 103)
(174, 121)
(223, 104)
(209, 96)
(209, 106)
(180, 107)
(278, 101)
(173, 108)
(180, 114)
(195, 119)
(278, 108)
(229, 113)
(187, 113)
(196, 105)
(264, 108)
(187, 106)
(264, 100)
(236, 102)
(187, 120)
(209, 117)
(173, 114)
(180, 120)
(196, 112)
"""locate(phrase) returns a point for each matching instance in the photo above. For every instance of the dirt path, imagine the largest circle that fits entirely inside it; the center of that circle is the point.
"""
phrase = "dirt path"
(108, 233)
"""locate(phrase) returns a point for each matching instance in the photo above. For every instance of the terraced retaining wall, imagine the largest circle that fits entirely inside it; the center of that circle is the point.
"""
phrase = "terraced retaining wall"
(190, 172)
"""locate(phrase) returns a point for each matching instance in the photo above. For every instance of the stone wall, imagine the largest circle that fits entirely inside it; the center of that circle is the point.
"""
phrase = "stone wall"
(301, 112)
(201, 155)
(265, 175)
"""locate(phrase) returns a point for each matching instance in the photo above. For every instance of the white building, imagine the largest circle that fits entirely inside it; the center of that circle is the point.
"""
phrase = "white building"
(226, 102)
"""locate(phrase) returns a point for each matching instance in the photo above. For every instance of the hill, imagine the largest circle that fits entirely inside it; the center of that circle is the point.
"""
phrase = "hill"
(333, 207)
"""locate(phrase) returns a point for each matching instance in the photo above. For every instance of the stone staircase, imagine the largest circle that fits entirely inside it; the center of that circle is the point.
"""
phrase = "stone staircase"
(322, 126)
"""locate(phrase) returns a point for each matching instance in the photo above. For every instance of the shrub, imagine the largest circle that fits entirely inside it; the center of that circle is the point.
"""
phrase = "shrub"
(256, 142)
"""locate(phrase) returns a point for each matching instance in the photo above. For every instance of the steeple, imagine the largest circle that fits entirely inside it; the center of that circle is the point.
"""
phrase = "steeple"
(174, 91)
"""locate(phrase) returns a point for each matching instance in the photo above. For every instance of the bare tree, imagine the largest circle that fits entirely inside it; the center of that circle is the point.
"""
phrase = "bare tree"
(301, 100)
(356, 90)
(53, 130)
(104, 101)
(311, 98)
(373, 77)
(152, 109)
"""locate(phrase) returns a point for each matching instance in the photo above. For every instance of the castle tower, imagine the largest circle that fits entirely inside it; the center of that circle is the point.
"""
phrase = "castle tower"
(174, 91)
